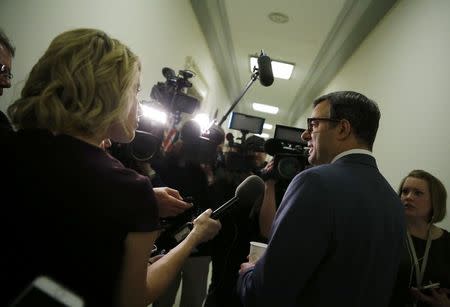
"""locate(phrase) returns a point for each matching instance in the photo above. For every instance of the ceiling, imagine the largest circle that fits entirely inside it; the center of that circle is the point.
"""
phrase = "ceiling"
(319, 37)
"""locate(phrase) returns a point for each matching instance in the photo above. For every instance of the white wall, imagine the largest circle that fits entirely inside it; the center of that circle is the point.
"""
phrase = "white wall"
(161, 32)
(404, 65)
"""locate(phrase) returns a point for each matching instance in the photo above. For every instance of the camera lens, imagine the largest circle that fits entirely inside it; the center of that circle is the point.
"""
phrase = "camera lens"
(288, 167)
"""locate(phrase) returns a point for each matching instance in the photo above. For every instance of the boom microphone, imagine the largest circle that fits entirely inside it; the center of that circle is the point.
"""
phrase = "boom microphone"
(168, 73)
(246, 193)
(265, 70)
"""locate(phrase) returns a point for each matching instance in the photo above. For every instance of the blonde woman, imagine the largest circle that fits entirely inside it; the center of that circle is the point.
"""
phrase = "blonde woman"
(79, 215)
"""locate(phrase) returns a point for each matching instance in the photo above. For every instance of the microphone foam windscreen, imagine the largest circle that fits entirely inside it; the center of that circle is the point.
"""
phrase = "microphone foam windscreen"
(250, 189)
(265, 70)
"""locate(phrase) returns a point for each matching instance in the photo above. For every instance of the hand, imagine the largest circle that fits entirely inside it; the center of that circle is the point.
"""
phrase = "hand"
(269, 166)
(246, 266)
(438, 297)
(170, 202)
(205, 228)
(268, 173)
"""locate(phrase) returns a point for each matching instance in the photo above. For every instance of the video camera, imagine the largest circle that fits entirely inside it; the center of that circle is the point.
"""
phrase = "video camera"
(169, 99)
(200, 147)
(289, 152)
(171, 92)
(241, 156)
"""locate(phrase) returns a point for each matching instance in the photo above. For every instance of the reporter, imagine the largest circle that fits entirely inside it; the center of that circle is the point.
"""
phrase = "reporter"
(424, 197)
(96, 221)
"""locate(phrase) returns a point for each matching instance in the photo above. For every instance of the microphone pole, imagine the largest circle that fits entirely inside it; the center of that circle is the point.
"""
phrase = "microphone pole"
(253, 78)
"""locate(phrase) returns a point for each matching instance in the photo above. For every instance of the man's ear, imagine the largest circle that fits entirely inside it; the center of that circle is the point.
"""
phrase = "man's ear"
(344, 129)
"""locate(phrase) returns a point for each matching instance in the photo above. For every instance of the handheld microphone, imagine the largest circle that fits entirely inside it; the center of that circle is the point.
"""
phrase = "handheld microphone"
(265, 70)
(246, 193)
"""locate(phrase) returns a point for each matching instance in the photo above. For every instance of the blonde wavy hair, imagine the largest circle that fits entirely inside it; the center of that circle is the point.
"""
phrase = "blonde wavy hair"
(80, 86)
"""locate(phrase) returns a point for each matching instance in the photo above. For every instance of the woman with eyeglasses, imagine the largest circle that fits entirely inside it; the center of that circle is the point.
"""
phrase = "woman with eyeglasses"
(424, 273)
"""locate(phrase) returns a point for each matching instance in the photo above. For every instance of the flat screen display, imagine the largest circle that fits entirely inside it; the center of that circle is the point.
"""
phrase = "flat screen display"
(289, 134)
(244, 122)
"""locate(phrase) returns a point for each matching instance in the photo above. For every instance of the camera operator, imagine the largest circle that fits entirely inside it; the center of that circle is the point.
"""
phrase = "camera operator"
(270, 202)
(239, 225)
(289, 159)
(180, 170)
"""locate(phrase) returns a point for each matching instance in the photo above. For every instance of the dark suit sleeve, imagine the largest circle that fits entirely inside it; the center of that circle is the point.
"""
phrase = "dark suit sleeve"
(300, 238)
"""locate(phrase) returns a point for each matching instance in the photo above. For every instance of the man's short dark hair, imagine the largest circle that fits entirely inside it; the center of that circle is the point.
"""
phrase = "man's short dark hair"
(362, 113)
(5, 42)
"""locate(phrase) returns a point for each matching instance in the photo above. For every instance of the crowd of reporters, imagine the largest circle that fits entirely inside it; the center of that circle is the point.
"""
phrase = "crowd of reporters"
(125, 206)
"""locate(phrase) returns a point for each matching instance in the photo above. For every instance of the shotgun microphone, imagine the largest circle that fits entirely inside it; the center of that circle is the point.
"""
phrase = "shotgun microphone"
(265, 69)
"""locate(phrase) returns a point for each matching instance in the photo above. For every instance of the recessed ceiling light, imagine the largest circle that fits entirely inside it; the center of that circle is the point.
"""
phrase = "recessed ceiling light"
(265, 108)
(277, 17)
(280, 70)
(267, 126)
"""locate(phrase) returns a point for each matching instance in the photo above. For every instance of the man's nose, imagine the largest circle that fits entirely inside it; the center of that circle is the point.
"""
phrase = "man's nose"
(306, 136)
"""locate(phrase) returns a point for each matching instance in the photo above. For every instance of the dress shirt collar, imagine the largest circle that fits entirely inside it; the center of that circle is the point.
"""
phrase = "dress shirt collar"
(352, 151)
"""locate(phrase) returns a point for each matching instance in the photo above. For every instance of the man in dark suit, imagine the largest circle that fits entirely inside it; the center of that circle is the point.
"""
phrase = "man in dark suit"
(337, 235)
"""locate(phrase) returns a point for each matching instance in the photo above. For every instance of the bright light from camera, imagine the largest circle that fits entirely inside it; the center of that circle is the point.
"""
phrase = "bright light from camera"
(280, 70)
(265, 108)
(267, 126)
(154, 114)
(263, 135)
(203, 120)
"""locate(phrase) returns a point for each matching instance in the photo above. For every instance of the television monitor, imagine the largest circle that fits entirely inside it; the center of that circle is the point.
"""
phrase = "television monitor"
(289, 134)
(247, 123)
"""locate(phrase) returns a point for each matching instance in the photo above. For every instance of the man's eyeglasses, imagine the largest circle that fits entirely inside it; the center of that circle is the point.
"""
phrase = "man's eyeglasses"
(4, 70)
(312, 122)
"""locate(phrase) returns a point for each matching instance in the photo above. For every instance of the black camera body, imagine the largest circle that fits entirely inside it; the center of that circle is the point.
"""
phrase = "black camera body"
(289, 152)
(171, 92)
(175, 229)
(168, 96)
(241, 157)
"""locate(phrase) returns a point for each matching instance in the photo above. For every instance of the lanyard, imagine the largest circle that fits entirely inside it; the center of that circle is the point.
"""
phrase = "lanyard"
(420, 271)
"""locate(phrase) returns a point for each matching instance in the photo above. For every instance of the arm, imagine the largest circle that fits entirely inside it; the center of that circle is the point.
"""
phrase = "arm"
(436, 298)
(132, 285)
(141, 283)
(268, 209)
(162, 272)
